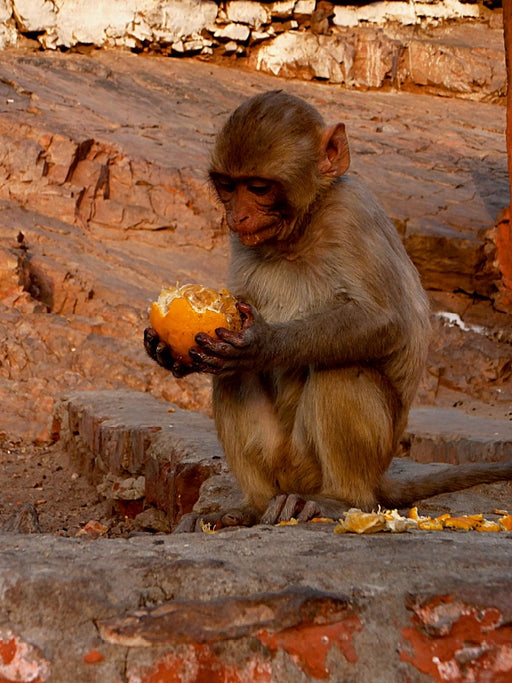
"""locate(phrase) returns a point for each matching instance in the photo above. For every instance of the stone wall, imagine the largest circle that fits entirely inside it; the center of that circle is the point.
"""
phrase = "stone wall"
(441, 44)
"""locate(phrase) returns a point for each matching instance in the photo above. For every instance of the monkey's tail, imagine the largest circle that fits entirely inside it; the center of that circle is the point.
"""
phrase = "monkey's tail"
(396, 493)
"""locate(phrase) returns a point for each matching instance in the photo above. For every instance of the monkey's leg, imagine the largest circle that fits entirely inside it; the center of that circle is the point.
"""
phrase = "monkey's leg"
(252, 435)
(349, 414)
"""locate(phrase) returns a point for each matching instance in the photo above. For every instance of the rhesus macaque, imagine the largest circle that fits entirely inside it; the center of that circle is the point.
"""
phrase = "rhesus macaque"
(311, 397)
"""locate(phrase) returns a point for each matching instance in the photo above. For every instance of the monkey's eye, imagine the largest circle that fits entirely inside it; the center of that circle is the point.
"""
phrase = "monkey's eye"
(259, 189)
(224, 184)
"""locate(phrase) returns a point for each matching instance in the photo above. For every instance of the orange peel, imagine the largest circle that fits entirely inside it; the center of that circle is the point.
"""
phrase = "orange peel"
(506, 522)
(181, 312)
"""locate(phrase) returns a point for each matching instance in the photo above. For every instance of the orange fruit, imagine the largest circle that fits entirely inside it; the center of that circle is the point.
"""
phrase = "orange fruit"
(181, 312)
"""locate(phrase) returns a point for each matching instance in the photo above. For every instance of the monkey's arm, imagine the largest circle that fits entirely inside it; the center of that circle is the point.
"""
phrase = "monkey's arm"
(345, 334)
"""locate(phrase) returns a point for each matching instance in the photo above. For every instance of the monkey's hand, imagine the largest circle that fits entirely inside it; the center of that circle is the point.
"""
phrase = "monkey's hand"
(162, 353)
(234, 351)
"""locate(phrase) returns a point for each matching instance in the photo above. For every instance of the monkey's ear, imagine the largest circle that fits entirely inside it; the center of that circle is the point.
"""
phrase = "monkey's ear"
(334, 151)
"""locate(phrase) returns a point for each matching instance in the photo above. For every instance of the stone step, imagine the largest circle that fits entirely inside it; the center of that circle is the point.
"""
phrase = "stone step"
(297, 603)
(109, 434)
(121, 434)
(451, 436)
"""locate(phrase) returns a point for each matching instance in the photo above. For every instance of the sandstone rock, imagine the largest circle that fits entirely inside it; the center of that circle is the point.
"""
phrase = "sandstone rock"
(304, 7)
(25, 521)
(284, 8)
(456, 60)
(394, 43)
(433, 588)
(139, 447)
(236, 32)
(457, 68)
(453, 437)
(71, 22)
(311, 56)
(403, 12)
(246, 12)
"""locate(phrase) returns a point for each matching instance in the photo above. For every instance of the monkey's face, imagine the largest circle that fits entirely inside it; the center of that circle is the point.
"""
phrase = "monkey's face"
(254, 208)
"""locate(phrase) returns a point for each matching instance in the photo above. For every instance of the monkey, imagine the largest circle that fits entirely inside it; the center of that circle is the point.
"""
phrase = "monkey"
(311, 397)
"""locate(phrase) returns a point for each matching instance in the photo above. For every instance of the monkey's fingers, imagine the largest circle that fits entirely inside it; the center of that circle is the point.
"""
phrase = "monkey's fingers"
(214, 347)
(164, 357)
(157, 349)
(271, 514)
(180, 369)
(292, 507)
(235, 339)
(248, 313)
(310, 510)
(284, 507)
(151, 341)
(208, 363)
(162, 354)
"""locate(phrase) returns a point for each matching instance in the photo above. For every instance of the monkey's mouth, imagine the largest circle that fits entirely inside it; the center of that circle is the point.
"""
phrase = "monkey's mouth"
(252, 239)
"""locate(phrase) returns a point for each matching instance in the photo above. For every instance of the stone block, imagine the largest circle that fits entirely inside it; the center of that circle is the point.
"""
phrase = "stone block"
(247, 12)
(179, 461)
(450, 436)
(110, 431)
(260, 604)
(125, 433)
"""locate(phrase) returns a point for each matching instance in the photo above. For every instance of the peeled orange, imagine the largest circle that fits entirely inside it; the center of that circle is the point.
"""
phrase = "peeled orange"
(181, 312)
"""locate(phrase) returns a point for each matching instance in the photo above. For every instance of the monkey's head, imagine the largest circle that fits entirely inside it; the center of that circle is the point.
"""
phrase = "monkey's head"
(270, 161)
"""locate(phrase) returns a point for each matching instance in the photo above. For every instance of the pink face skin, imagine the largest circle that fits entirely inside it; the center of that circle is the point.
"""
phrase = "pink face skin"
(251, 208)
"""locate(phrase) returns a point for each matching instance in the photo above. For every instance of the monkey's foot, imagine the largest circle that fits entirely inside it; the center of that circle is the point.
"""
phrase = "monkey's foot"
(192, 522)
(286, 506)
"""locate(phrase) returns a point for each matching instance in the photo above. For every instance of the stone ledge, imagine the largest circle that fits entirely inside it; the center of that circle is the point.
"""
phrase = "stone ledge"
(126, 433)
(401, 608)
(440, 435)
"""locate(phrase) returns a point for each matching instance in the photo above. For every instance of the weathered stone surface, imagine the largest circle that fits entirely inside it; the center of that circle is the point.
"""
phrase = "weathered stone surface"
(402, 12)
(435, 435)
(253, 13)
(112, 435)
(66, 23)
(236, 32)
(225, 618)
(309, 55)
(372, 44)
(455, 60)
(234, 602)
(417, 591)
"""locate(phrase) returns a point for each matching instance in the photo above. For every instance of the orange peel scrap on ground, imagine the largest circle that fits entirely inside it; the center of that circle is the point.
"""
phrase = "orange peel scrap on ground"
(475, 522)
(359, 522)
